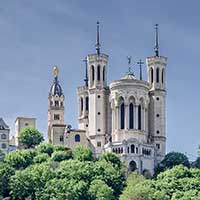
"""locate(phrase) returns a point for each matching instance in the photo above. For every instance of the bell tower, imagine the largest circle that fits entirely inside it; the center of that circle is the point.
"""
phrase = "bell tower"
(156, 71)
(55, 110)
(98, 96)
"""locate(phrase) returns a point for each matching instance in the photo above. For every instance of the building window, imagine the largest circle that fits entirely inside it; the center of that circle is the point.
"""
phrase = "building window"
(158, 146)
(26, 124)
(157, 98)
(139, 117)
(132, 148)
(157, 131)
(87, 103)
(86, 125)
(157, 75)
(98, 144)
(136, 150)
(3, 136)
(157, 115)
(131, 116)
(77, 138)
(163, 75)
(81, 104)
(122, 116)
(99, 113)
(61, 104)
(104, 73)
(3, 146)
(51, 103)
(61, 138)
(98, 72)
(56, 104)
(99, 96)
(128, 149)
(99, 130)
(56, 117)
(151, 75)
(92, 68)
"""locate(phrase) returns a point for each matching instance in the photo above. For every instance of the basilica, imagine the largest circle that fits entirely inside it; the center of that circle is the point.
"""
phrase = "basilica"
(126, 117)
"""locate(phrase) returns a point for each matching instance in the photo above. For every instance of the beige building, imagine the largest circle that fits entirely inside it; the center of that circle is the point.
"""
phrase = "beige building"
(22, 122)
(126, 117)
(4, 136)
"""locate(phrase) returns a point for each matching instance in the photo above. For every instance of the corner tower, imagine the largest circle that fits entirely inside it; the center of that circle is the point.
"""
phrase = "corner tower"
(56, 112)
(98, 97)
(156, 71)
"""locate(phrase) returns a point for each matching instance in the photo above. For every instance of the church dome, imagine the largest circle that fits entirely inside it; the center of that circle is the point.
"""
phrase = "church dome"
(56, 89)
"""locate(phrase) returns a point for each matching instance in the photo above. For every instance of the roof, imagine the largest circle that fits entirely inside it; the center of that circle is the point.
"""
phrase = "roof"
(3, 125)
(56, 88)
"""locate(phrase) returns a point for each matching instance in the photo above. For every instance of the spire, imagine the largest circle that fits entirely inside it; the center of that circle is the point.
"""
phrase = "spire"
(140, 63)
(97, 40)
(156, 41)
(86, 72)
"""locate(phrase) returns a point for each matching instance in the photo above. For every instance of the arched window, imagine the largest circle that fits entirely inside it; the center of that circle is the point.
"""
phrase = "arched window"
(157, 75)
(104, 73)
(81, 104)
(131, 116)
(77, 138)
(139, 117)
(87, 103)
(151, 75)
(3, 136)
(3, 146)
(132, 148)
(98, 72)
(92, 69)
(163, 75)
(128, 149)
(122, 116)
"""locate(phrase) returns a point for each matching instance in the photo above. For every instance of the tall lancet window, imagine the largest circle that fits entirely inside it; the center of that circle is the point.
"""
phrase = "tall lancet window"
(122, 116)
(81, 104)
(157, 75)
(163, 75)
(92, 68)
(131, 116)
(104, 73)
(151, 75)
(139, 117)
(87, 103)
(98, 72)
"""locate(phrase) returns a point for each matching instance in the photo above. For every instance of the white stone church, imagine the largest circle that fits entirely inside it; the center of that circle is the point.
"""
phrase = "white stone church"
(126, 117)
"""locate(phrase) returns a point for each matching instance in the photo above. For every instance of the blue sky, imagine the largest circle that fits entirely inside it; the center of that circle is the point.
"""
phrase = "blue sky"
(36, 35)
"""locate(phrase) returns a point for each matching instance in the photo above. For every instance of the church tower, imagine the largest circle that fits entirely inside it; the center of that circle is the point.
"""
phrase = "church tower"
(98, 97)
(56, 126)
(156, 71)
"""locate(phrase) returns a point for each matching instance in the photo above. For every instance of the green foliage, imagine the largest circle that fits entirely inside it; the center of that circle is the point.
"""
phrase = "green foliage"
(99, 190)
(172, 159)
(20, 159)
(6, 171)
(29, 137)
(112, 158)
(61, 148)
(24, 184)
(61, 155)
(46, 148)
(82, 153)
(43, 157)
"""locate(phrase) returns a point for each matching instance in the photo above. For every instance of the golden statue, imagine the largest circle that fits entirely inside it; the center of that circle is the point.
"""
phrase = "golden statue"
(55, 71)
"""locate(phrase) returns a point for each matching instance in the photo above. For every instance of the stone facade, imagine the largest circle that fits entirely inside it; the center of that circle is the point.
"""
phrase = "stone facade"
(126, 117)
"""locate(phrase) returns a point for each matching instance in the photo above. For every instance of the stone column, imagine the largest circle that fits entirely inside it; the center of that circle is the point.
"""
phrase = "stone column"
(126, 117)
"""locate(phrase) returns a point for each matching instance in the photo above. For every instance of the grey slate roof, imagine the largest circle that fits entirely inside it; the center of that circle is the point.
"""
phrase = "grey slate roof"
(3, 125)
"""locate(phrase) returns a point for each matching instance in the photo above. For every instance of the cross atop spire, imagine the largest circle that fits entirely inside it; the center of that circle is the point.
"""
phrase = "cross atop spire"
(156, 50)
(97, 40)
(140, 63)
(86, 72)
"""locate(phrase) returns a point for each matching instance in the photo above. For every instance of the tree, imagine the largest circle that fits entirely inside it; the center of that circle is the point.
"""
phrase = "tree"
(99, 190)
(82, 153)
(46, 148)
(61, 155)
(43, 157)
(29, 137)
(172, 159)
(6, 171)
(112, 158)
